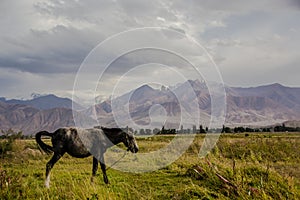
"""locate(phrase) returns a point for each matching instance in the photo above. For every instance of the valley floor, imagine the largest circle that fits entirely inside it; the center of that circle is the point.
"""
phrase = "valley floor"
(241, 166)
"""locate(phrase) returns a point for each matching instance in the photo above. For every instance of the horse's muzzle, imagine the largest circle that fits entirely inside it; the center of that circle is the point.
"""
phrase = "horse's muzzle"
(133, 150)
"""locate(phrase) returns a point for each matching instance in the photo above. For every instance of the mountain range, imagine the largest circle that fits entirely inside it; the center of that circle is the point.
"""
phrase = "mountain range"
(44, 102)
(150, 107)
(255, 106)
(47, 112)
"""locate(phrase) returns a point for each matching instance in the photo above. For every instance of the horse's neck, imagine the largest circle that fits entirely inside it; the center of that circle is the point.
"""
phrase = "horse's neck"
(115, 140)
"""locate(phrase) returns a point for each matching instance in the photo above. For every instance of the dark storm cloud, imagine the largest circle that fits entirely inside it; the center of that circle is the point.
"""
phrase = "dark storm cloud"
(58, 50)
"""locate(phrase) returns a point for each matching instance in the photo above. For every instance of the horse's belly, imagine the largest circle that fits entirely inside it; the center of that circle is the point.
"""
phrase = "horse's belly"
(79, 154)
(78, 150)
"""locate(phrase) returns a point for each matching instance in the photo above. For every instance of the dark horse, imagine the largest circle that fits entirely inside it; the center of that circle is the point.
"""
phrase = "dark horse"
(80, 143)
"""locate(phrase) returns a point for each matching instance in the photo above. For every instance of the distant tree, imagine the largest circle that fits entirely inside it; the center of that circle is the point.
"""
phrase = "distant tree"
(226, 129)
(249, 129)
(235, 130)
(201, 129)
(181, 129)
(10, 133)
(155, 131)
(277, 128)
(283, 128)
(239, 129)
(172, 131)
(167, 131)
(266, 130)
(148, 131)
(194, 129)
(163, 131)
(142, 131)
(223, 129)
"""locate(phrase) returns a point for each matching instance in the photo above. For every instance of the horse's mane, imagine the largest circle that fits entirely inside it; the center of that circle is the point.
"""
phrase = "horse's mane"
(111, 131)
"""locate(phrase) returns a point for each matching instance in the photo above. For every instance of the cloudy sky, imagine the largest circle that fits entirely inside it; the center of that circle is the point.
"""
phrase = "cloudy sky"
(44, 43)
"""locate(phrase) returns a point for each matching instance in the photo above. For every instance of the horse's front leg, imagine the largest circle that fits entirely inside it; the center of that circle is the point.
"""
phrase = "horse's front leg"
(103, 168)
(95, 168)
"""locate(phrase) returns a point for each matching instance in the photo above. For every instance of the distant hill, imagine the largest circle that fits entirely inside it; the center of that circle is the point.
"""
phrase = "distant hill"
(291, 123)
(267, 104)
(263, 105)
(45, 102)
(30, 120)
(254, 106)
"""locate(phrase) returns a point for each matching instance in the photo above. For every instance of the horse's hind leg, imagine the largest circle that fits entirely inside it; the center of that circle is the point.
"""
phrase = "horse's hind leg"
(103, 168)
(95, 168)
(49, 166)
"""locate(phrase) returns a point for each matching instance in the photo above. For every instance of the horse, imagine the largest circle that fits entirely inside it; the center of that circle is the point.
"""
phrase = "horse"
(81, 143)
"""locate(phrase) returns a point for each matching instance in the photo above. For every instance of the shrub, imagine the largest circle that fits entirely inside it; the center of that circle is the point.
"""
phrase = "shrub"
(7, 141)
(5, 146)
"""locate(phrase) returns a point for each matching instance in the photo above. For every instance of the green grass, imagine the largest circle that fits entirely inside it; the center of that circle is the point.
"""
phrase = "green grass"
(260, 166)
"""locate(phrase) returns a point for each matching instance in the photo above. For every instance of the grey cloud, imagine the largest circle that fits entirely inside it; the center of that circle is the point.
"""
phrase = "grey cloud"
(58, 50)
(50, 36)
(178, 30)
(240, 6)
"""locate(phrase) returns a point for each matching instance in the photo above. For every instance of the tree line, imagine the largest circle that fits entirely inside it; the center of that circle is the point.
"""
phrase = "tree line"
(278, 128)
(12, 135)
(224, 129)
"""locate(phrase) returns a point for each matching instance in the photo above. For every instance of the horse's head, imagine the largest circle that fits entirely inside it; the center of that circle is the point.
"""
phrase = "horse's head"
(117, 135)
(130, 143)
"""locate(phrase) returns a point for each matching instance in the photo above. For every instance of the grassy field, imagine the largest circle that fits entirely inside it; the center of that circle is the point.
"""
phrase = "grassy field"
(258, 166)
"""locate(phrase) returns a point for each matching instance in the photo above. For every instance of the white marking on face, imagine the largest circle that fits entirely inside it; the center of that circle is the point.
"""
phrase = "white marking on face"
(68, 133)
(135, 143)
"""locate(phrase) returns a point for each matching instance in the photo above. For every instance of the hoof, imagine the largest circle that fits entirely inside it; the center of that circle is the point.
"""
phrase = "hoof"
(47, 182)
(106, 180)
(47, 185)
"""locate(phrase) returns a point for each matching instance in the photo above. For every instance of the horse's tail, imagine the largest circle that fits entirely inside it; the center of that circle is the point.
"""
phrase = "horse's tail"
(45, 147)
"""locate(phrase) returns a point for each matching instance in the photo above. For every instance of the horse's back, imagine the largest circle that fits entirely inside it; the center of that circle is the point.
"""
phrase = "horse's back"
(79, 142)
(93, 139)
